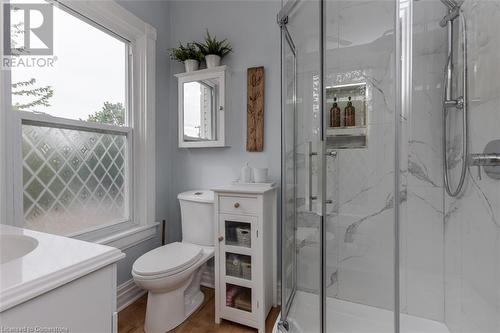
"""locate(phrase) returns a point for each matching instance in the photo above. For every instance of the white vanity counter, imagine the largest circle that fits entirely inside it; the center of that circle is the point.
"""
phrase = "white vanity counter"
(33, 263)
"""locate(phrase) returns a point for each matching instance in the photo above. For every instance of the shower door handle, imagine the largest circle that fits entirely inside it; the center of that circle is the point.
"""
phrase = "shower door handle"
(308, 195)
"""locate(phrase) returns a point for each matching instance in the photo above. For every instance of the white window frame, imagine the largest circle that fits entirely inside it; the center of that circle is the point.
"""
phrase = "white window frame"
(140, 133)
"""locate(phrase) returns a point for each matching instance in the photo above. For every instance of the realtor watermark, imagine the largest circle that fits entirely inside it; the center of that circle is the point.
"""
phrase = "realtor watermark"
(28, 36)
(28, 62)
(33, 329)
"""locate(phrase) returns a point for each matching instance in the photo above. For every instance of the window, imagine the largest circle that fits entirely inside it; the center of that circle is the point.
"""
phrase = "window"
(76, 118)
(73, 179)
(87, 79)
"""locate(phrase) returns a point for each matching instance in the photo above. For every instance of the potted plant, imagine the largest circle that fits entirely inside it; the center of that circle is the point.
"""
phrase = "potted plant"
(214, 50)
(189, 55)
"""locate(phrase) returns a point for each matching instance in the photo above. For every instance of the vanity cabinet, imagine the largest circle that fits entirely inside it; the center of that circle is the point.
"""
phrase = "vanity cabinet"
(61, 284)
(245, 256)
(87, 304)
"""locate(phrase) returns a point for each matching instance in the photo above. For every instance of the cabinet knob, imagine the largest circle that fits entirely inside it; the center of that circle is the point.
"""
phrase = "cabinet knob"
(236, 204)
(221, 238)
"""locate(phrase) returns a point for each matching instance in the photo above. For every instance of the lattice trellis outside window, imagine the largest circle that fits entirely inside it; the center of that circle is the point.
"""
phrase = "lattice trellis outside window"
(73, 179)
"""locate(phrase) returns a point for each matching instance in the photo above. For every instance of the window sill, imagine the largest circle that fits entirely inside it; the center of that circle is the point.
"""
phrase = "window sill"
(130, 237)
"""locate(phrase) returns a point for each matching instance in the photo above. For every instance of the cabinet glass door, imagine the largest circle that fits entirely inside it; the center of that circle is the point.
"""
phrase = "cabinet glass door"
(237, 270)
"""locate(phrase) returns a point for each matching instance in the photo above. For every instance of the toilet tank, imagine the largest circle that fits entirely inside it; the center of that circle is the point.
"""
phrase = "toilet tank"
(197, 215)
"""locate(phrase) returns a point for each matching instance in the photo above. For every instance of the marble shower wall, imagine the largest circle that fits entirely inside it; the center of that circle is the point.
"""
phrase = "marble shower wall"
(360, 256)
(450, 249)
(472, 222)
(421, 222)
(363, 179)
(360, 225)
(360, 182)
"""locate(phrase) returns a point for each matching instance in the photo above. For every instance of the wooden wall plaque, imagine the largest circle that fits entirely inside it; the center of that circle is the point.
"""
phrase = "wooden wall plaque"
(255, 109)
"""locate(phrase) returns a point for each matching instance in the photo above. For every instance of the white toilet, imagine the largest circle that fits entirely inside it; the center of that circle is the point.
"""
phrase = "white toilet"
(172, 273)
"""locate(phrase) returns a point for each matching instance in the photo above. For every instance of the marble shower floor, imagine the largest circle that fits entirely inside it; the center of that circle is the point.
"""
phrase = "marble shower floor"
(348, 317)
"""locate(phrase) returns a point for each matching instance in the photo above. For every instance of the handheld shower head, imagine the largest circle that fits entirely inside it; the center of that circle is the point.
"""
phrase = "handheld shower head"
(453, 11)
(452, 14)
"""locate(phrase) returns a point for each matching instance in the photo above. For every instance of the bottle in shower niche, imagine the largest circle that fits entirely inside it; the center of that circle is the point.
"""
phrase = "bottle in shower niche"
(335, 114)
(349, 114)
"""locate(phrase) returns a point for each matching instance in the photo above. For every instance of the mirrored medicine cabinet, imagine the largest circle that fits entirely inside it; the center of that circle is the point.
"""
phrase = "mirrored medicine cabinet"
(202, 107)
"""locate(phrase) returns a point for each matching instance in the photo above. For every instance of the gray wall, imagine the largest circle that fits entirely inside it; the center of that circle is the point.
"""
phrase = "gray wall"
(124, 269)
(251, 28)
(156, 14)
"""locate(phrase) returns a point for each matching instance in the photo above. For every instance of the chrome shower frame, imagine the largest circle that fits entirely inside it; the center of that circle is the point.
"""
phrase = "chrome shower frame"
(460, 103)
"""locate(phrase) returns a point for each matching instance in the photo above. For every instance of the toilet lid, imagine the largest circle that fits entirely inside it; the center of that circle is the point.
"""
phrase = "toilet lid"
(170, 258)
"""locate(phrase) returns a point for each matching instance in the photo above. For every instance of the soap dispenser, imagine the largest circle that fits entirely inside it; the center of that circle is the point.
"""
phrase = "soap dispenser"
(335, 114)
(350, 117)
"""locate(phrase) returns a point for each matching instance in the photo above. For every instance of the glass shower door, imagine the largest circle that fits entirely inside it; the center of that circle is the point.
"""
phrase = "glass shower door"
(289, 174)
(301, 167)
(359, 83)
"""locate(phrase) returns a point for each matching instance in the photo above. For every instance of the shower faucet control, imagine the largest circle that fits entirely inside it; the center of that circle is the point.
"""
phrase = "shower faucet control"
(485, 159)
(489, 160)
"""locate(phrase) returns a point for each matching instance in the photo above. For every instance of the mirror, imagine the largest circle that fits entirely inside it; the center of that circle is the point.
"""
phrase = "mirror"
(200, 116)
(201, 108)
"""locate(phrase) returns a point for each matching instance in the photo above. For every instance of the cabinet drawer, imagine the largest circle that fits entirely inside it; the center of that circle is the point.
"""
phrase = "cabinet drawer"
(238, 205)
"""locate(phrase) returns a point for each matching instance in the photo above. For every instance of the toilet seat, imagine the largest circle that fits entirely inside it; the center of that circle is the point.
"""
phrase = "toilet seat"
(167, 260)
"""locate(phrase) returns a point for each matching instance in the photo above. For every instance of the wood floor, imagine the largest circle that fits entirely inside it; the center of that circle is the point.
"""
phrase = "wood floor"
(131, 319)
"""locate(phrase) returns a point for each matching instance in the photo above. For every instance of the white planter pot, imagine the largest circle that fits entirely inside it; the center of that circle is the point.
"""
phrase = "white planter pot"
(191, 65)
(212, 60)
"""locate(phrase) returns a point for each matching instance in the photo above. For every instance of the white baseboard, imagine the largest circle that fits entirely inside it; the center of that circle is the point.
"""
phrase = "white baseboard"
(127, 293)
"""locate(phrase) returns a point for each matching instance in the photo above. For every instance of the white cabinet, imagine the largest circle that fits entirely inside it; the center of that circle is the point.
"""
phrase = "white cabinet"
(245, 256)
(86, 304)
(64, 284)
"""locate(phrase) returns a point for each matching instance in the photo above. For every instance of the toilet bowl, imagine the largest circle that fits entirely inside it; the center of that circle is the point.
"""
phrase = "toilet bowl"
(172, 273)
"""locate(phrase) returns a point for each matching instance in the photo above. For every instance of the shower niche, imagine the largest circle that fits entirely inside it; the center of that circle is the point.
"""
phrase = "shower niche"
(347, 116)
